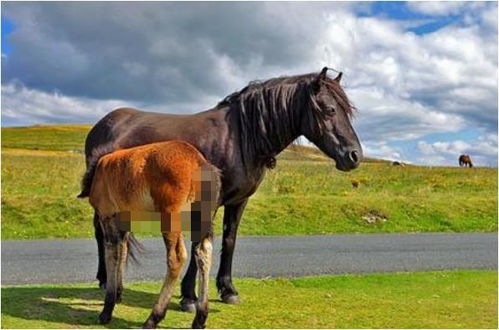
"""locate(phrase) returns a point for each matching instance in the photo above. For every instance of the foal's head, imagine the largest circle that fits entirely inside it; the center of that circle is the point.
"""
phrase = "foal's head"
(327, 123)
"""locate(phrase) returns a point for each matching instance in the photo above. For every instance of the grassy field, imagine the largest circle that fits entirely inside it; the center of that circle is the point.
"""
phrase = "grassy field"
(445, 299)
(41, 171)
(56, 137)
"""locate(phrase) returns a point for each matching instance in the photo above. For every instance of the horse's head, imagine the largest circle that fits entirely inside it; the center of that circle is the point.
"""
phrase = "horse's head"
(327, 124)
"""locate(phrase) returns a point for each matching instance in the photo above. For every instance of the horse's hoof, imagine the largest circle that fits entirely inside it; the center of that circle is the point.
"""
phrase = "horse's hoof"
(196, 325)
(231, 299)
(149, 324)
(104, 318)
(188, 305)
(102, 285)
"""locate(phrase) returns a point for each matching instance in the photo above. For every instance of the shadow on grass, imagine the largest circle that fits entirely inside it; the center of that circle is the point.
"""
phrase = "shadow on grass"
(75, 306)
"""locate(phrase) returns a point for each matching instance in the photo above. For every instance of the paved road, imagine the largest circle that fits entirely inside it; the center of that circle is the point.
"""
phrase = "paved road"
(44, 261)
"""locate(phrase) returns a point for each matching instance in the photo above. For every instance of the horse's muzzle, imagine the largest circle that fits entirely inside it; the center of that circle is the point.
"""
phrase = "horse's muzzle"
(351, 160)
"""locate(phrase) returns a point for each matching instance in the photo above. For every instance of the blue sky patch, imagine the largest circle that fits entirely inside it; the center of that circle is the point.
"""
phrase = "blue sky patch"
(7, 28)
(399, 11)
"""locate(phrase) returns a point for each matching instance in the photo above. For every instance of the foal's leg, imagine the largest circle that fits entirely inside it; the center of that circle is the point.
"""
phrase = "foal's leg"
(232, 216)
(203, 255)
(112, 255)
(99, 237)
(188, 286)
(176, 256)
(123, 245)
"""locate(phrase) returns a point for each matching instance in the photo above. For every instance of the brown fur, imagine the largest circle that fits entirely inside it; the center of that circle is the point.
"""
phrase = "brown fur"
(159, 178)
(465, 160)
(241, 135)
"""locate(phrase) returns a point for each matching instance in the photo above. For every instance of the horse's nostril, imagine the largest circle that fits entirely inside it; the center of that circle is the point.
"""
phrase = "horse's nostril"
(354, 156)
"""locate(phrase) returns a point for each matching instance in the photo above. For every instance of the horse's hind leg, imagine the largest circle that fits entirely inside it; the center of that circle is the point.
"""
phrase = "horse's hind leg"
(188, 286)
(112, 242)
(203, 255)
(176, 256)
(99, 237)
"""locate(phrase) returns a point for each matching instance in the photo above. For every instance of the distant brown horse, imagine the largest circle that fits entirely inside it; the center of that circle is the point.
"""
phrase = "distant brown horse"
(160, 178)
(465, 160)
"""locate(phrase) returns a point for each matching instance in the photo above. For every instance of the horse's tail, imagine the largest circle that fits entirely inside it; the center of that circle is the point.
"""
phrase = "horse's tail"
(97, 153)
(218, 187)
(216, 180)
(134, 248)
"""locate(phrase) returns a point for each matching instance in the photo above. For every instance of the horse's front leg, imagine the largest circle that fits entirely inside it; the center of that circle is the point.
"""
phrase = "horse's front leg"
(232, 217)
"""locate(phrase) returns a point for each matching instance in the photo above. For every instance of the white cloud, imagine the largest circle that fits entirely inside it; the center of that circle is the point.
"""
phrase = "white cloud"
(384, 151)
(406, 85)
(437, 8)
(150, 55)
(21, 104)
(455, 147)
(433, 160)
(30, 106)
(483, 150)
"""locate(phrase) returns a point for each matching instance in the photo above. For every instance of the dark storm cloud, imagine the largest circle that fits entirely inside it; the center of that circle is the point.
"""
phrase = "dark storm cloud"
(161, 51)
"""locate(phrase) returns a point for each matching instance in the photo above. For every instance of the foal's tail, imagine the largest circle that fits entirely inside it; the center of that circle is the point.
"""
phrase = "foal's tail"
(97, 153)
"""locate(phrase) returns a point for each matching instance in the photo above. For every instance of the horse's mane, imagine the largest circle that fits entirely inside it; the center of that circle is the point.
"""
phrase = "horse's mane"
(269, 111)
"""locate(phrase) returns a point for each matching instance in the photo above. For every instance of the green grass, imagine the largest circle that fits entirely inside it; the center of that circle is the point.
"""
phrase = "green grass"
(55, 137)
(445, 299)
(304, 194)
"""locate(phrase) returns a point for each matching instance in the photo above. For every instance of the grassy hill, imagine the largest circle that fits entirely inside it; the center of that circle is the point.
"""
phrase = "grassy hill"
(304, 194)
(50, 137)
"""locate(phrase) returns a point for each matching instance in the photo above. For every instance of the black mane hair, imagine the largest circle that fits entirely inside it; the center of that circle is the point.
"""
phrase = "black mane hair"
(270, 112)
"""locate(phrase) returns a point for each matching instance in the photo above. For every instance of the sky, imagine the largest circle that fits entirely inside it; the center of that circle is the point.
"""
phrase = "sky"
(423, 75)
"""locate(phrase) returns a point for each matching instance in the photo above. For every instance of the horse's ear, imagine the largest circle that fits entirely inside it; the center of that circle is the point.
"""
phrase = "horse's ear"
(319, 78)
(338, 78)
(323, 73)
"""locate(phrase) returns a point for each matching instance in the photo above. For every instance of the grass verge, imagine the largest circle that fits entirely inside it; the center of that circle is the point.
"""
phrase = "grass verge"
(444, 299)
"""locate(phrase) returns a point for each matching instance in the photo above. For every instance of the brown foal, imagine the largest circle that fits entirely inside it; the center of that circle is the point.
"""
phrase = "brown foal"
(173, 181)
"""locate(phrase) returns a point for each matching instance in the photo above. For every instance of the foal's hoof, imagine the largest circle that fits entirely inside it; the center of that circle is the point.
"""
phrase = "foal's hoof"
(231, 299)
(104, 318)
(188, 305)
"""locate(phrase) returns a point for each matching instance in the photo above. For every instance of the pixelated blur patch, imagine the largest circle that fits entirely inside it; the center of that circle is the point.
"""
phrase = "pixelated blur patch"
(194, 220)
(191, 223)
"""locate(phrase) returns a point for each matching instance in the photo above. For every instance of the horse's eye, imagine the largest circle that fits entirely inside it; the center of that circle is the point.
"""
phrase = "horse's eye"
(331, 109)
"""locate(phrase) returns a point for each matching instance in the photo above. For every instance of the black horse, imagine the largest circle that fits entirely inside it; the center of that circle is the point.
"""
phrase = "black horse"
(241, 136)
